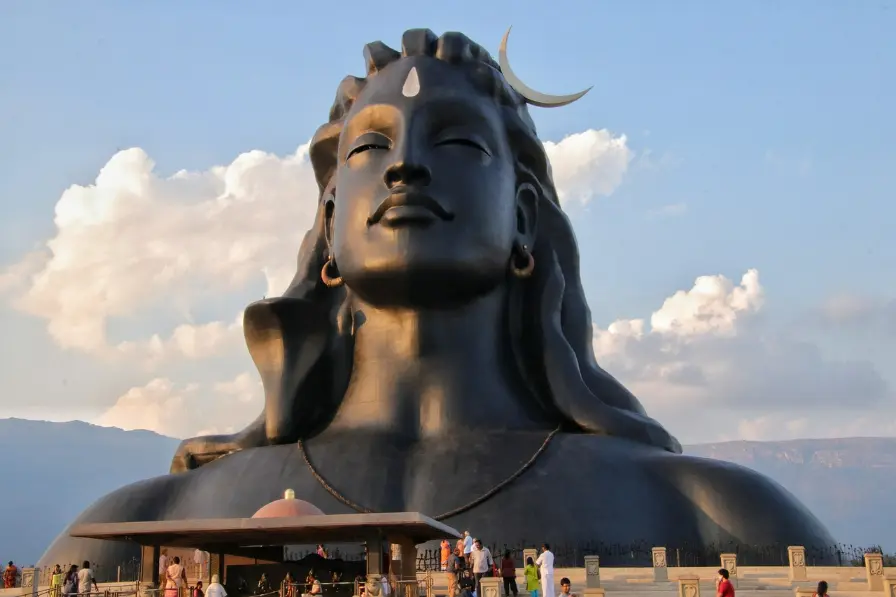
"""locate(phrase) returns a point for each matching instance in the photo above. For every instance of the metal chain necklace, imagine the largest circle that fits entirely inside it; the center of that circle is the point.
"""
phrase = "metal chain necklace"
(468, 506)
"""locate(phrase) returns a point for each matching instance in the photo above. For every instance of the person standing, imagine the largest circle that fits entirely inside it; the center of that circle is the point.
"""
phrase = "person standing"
(70, 582)
(454, 568)
(176, 576)
(545, 563)
(56, 581)
(10, 576)
(468, 548)
(508, 574)
(482, 563)
(531, 575)
(822, 589)
(444, 552)
(86, 578)
(201, 559)
(163, 565)
(724, 588)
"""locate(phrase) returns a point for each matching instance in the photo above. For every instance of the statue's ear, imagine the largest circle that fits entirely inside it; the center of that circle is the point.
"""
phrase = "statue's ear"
(526, 213)
(329, 201)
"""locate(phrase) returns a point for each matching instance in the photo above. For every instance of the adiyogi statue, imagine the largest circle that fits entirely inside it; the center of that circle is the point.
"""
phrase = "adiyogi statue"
(433, 352)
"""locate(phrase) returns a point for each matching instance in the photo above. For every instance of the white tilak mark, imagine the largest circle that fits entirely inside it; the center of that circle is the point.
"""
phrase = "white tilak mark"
(411, 84)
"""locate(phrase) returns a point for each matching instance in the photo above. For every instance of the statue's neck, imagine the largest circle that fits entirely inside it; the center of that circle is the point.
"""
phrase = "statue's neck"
(430, 372)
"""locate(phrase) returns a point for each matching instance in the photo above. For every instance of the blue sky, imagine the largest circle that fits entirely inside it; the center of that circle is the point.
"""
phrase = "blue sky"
(772, 122)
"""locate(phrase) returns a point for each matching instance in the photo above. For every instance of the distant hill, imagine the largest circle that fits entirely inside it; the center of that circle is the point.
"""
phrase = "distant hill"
(848, 483)
(45, 469)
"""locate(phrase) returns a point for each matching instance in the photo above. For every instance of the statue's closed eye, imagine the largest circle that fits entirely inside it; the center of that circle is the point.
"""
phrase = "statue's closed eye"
(464, 143)
(365, 147)
(367, 142)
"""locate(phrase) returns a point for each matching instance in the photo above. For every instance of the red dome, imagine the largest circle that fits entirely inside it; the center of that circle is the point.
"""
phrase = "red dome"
(287, 507)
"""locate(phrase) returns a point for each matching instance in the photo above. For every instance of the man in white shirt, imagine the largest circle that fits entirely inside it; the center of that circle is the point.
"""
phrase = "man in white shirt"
(86, 578)
(482, 562)
(163, 564)
(201, 558)
(468, 547)
(545, 563)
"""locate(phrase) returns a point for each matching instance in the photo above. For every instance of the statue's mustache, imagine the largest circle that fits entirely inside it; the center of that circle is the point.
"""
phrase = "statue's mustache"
(401, 196)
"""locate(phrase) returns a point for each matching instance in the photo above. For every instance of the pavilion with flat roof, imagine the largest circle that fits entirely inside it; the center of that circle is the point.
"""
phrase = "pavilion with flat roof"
(263, 538)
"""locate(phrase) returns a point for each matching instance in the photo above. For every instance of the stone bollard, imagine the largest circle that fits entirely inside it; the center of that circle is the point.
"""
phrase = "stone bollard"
(596, 592)
(491, 586)
(592, 572)
(660, 570)
(803, 592)
(874, 571)
(797, 556)
(30, 581)
(688, 586)
(729, 563)
(529, 553)
(890, 585)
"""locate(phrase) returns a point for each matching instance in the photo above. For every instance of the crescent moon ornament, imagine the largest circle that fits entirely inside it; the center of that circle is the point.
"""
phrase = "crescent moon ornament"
(536, 98)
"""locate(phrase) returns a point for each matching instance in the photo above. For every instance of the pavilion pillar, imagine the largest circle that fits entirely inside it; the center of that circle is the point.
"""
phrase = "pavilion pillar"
(222, 568)
(149, 564)
(404, 565)
(149, 569)
(374, 550)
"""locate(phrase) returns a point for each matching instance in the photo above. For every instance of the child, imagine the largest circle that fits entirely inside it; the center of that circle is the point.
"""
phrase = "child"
(533, 582)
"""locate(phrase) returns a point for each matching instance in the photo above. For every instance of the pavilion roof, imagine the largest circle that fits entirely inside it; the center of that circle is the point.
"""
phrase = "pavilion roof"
(220, 534)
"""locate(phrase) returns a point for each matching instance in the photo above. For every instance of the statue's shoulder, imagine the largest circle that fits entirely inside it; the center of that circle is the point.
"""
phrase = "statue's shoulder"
(679, 497)
(737, 503)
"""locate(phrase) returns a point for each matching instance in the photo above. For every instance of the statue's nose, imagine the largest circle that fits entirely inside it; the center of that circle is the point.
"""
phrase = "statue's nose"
(406, 172)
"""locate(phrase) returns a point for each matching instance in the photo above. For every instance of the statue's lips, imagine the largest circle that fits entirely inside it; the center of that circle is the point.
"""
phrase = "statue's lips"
(403, 207)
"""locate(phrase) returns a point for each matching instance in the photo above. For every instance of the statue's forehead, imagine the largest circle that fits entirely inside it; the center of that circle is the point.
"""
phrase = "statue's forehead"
(416, 81)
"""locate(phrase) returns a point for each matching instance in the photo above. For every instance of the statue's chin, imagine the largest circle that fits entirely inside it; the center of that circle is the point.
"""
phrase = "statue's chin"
(423, 287)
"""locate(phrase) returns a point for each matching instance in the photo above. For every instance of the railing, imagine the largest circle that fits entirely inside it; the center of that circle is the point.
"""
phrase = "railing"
(57, 592)
(103, 572)
(639, 554)
(396, 588)
(297, 589)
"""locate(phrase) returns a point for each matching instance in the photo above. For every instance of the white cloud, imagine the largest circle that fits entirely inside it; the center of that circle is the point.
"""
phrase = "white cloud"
(712, 305)
(136, 245)
(588, 164)
(708, 360)
(187, 410)
(188, 341)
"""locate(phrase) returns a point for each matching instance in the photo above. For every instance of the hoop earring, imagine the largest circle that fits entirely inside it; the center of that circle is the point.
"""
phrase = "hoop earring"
(331, 281)
(525, 271)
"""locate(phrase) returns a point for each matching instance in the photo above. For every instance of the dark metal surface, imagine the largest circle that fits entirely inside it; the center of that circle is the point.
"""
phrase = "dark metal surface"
(427, 369)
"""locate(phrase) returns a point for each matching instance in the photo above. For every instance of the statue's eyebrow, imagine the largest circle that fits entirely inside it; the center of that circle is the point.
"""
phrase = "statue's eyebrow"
(372, 118)
(456, 114)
